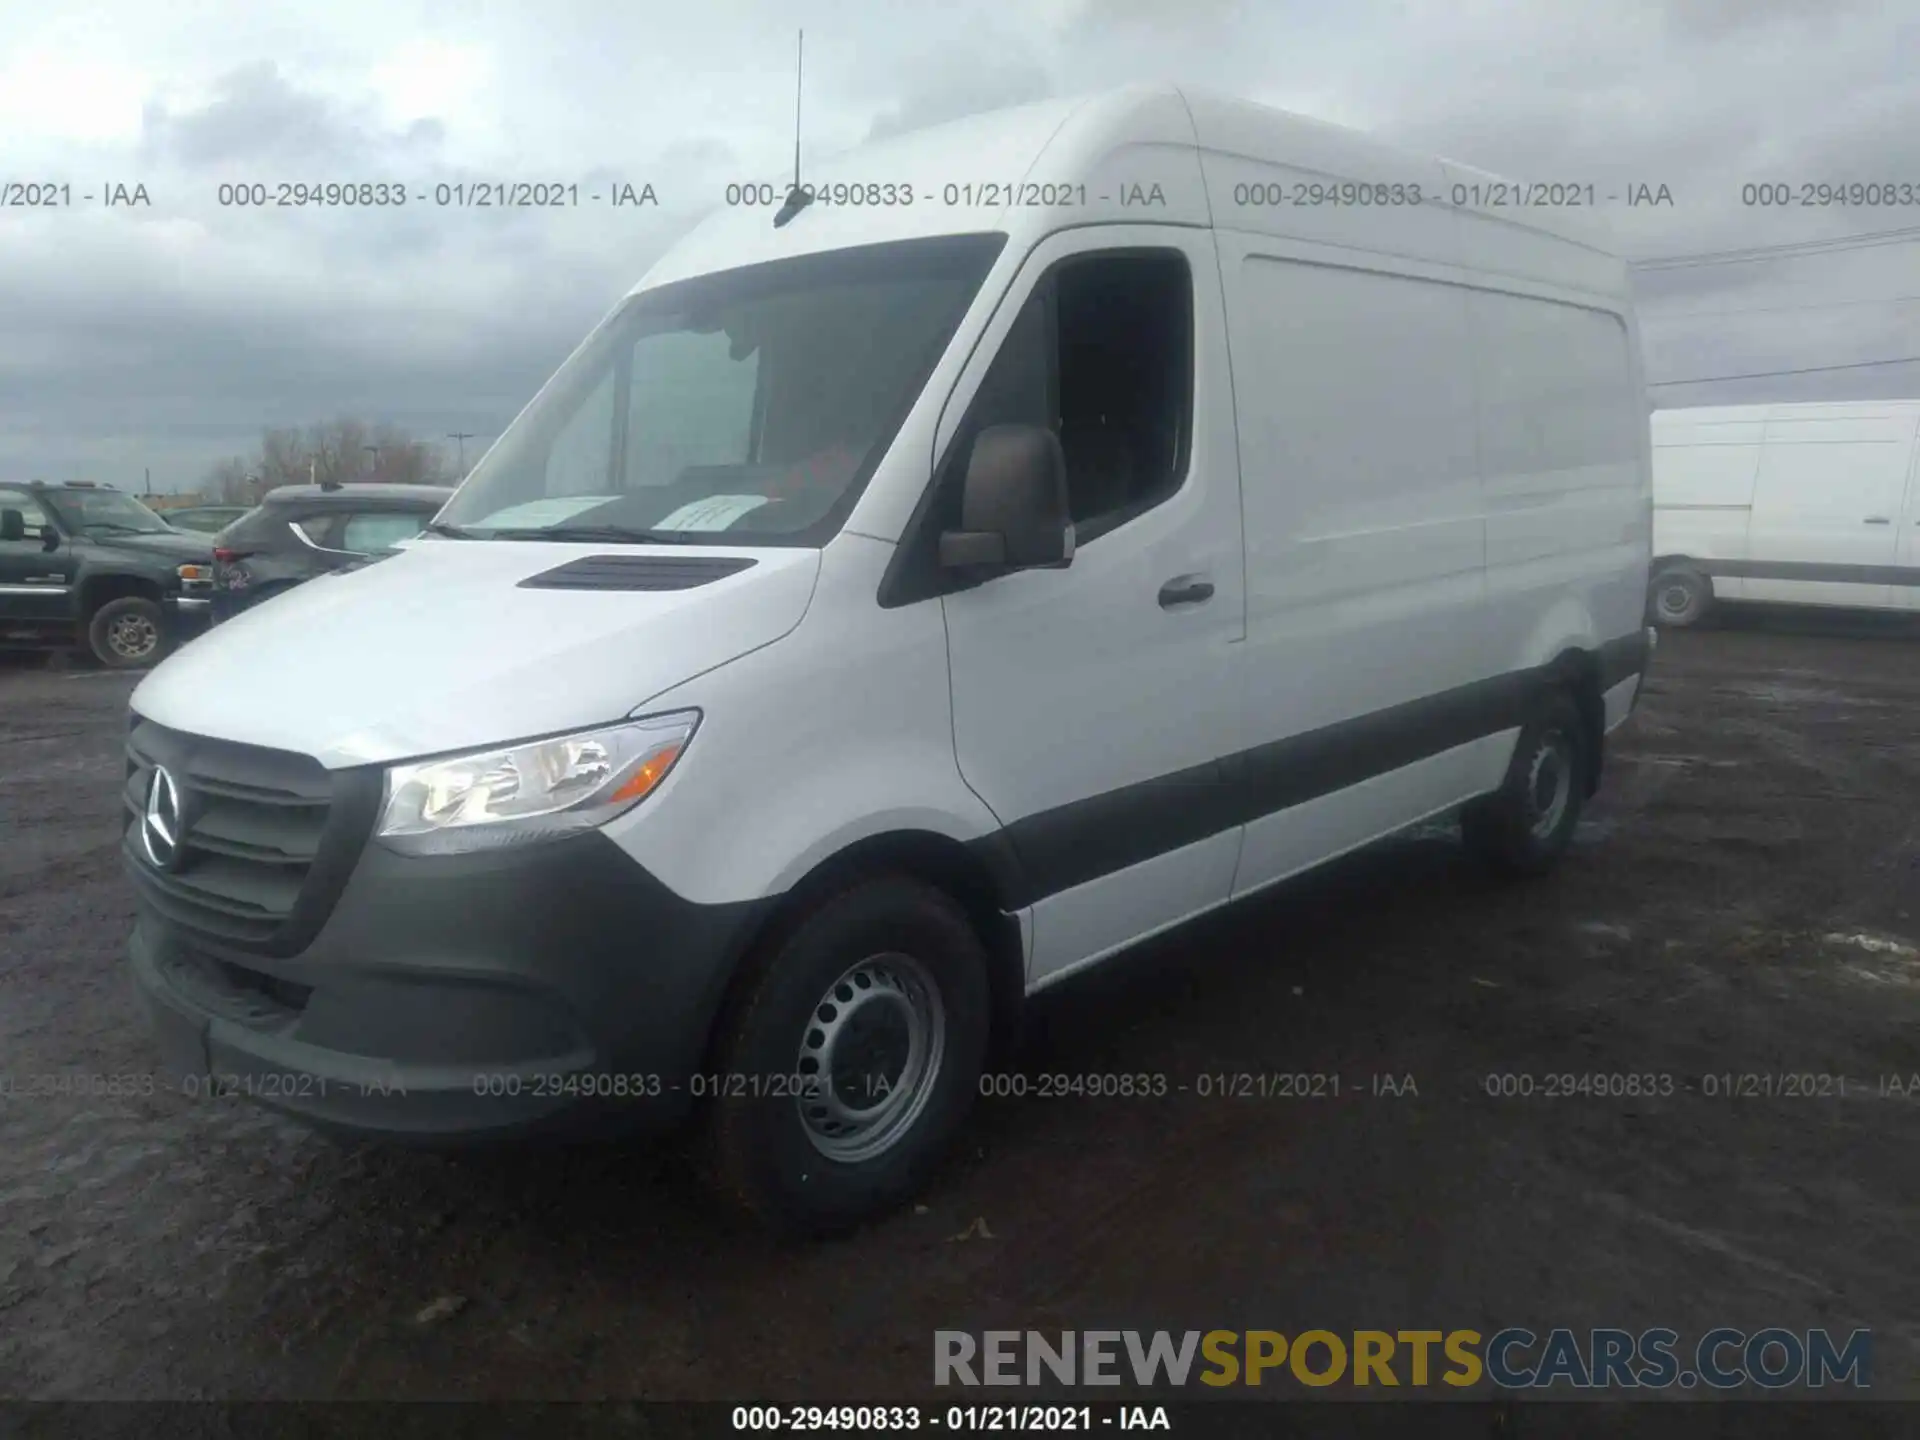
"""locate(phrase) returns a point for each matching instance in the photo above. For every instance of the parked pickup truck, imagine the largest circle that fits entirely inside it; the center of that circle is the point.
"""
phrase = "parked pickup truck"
(88, 566)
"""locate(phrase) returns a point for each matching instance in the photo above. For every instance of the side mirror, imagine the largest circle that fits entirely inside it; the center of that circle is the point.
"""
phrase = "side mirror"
(1013, 504)
(13, 525)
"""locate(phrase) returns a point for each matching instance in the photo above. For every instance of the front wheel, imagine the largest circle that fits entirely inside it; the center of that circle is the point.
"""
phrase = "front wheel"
(1525, 826)
(128, 633)
(850, 1058)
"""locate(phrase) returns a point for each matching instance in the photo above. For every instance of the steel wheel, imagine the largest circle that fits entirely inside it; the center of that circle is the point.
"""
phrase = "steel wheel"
(874, 1046)
(133, 636)
(1550, 775)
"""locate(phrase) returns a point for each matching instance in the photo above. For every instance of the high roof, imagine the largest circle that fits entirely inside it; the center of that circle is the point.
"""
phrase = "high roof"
(1143, 153)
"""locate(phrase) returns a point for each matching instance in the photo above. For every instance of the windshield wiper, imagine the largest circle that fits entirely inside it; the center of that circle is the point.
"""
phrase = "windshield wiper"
(116, 525)
(452, 532)
(596, 534)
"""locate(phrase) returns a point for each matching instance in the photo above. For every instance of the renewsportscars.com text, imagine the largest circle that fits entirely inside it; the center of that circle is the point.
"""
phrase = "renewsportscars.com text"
(1511, 1359)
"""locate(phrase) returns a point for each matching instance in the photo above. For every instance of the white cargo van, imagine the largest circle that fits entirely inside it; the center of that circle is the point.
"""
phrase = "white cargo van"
(1809, 504)
(1072, 520)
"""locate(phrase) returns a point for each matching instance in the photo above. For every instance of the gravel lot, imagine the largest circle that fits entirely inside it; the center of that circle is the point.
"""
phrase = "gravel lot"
(1742, 900)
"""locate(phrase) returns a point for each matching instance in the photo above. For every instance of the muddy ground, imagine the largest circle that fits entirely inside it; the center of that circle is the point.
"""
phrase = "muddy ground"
(1738, 903)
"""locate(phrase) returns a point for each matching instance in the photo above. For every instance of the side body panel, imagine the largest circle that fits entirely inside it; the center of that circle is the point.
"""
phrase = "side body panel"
(1365, 543)
(1445, 470)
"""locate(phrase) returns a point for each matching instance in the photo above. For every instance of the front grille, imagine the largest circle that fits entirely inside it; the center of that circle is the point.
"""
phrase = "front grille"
(253, 826)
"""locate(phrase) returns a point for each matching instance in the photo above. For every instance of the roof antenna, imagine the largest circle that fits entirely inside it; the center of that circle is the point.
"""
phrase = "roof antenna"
(797, 198)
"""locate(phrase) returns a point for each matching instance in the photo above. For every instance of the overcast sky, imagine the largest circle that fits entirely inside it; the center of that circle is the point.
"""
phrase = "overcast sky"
(168, 336)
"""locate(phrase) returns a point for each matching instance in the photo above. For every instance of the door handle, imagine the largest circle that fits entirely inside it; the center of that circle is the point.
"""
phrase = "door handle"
(1185, 590)
(1876, 520)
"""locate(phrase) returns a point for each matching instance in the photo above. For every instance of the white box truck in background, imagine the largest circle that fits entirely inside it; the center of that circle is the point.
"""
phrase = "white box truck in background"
(1805, 504)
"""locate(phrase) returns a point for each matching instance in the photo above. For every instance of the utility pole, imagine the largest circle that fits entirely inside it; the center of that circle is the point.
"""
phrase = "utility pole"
(373, 450)
(461, 437)
(149, 480)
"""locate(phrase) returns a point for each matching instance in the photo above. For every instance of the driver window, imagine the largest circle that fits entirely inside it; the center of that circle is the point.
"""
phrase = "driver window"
(1101, 354)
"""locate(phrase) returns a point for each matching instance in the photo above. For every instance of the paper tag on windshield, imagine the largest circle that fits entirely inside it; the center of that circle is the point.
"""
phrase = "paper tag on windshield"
(716, 512)
(551, 511)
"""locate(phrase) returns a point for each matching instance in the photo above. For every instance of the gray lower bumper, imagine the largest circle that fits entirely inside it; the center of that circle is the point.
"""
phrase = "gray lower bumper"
(556, 989)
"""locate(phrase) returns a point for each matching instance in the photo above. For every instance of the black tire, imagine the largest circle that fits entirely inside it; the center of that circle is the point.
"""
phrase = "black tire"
(1525, 826)
(1679, 598)
(763, 1153)
(128, 634)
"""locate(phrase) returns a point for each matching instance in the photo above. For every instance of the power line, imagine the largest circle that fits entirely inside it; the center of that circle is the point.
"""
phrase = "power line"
(1833, 244)
(1804, 370)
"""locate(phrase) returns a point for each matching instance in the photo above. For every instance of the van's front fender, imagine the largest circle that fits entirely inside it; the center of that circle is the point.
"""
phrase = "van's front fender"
(841, 731)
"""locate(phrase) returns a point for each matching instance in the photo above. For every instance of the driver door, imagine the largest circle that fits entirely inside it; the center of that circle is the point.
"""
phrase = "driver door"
(36, 584)
(1093, 704)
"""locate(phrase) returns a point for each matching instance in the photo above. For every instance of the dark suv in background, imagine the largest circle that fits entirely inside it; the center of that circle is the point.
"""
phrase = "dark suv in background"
(89, 566)
(300, 531)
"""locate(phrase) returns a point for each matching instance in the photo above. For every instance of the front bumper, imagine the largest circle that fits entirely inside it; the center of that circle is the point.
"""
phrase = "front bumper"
(189, 611)
(554, 989)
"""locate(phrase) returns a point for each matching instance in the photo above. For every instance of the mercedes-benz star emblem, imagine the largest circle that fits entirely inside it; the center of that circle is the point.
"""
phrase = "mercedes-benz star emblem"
(160, 826)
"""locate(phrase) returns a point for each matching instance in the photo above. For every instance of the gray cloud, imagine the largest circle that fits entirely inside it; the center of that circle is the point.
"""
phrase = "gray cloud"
(1714, 19)
(956, 86)
(260, 118)
(169, 338)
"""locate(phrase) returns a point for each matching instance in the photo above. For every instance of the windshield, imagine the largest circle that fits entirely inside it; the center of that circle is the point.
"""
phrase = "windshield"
(106, 510)
(750, 404)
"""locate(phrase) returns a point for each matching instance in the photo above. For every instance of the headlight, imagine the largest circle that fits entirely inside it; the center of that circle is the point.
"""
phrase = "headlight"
(533, 791)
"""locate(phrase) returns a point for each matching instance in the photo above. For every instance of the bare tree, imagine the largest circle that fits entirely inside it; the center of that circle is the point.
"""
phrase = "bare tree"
(283, 459)
(339, 451)
(403, 460)
(227, 482)
(344, 451)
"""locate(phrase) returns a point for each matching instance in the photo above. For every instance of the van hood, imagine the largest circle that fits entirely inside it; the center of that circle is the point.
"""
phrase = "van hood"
(440, 648)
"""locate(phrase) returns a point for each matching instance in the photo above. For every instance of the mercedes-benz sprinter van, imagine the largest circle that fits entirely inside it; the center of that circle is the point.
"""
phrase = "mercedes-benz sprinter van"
(1066, 522)
(1816, 503)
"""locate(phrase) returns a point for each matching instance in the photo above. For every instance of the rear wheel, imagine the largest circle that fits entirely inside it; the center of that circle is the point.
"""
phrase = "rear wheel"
(850, 1058)
(128, 633)
(1525, 826)
(1679, 598)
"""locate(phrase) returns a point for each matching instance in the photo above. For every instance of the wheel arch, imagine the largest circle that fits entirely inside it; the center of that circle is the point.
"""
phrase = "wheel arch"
(98, 590)
(954, 868)
(1576, 670)
(1677, 561)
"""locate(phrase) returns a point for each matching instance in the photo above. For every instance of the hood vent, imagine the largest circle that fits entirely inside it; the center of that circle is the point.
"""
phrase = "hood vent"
(638, 572)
